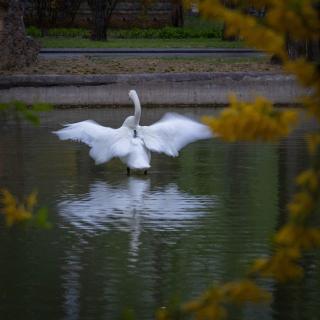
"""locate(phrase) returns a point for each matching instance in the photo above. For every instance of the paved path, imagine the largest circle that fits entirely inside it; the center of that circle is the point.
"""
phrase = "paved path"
(125, 53)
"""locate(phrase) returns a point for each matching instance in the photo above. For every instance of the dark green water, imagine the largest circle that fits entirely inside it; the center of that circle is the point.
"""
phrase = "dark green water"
(138, 243)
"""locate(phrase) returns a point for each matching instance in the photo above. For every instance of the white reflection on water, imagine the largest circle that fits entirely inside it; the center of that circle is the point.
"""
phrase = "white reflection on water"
(133, 205)
(71, 283)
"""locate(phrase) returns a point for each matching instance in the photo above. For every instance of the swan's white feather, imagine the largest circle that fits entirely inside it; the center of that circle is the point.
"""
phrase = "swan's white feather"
(106, 143)
(132, 143)
(172, 133)
(138, 156)
(86, 131)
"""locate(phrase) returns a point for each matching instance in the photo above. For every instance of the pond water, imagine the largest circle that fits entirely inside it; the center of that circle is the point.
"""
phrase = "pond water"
(138, 243)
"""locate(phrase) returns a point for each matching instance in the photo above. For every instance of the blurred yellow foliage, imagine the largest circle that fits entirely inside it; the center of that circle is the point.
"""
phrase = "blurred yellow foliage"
(250, 122)
(14, 211)
(297, 21)
(302, 204)
(243, 291)
(303, 238)
(309, 179)
(211, 304)
(282, 266)
(313, 141)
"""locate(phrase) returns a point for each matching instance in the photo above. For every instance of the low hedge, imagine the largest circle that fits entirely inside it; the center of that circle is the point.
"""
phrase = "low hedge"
(135, 33)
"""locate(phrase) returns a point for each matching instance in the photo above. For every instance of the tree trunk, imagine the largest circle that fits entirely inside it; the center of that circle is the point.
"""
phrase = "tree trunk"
(230, 5)
(100, 28)
(177, 17)
(101, 11)
(296, 49)
(72, 10)
(41, 11)
(16, 49)
(227, 37)
(313, 50)
(99, 19)
(309, 49)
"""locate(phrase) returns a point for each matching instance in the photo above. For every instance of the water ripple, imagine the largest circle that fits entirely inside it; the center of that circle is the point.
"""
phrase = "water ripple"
(132, 205)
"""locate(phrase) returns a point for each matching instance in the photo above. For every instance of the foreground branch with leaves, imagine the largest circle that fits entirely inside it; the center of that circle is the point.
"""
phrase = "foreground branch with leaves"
(17, 212)
(259, 120)
(22, 211)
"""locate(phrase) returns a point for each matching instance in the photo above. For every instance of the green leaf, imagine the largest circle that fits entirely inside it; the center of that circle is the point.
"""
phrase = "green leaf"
(39, 107)
(41, 218)
(20, 106)
(4, 106)
(32, 117)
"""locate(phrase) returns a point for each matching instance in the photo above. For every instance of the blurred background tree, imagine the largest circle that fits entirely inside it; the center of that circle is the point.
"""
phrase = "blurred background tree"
(16, 49)
(48, 12)
(101, 11)
(177, 14)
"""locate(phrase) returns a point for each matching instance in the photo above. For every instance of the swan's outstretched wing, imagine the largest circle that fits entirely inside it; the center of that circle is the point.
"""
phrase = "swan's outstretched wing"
(105, 143)
(172, 133)
(85, 131)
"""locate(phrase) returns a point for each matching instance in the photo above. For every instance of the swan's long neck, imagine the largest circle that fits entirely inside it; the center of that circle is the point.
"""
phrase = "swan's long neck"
(137, 110)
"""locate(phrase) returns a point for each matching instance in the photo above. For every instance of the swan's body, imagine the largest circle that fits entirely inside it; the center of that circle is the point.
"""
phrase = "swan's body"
(133, 143)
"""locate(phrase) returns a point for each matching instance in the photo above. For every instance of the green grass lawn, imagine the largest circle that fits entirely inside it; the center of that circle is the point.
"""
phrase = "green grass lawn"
(64, 42)
(196, 33)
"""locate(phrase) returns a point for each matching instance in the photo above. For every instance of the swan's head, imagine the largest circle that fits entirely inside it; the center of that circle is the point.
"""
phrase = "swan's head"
(133, 96)
(130, 122)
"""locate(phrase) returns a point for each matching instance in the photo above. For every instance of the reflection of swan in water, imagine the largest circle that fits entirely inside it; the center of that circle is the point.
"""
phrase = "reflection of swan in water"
(132, 206)
(71, 283)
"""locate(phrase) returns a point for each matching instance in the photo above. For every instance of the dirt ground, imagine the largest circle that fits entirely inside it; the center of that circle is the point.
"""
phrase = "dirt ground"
(94, 65)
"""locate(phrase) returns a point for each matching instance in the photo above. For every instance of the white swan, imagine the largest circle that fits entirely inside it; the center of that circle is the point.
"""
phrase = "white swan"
(131, 142)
